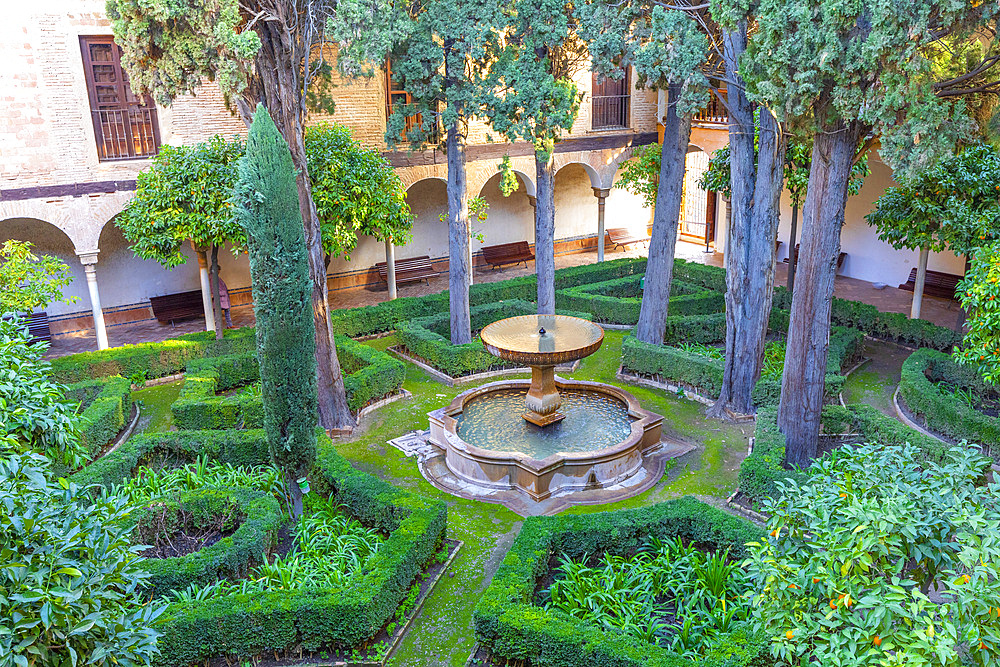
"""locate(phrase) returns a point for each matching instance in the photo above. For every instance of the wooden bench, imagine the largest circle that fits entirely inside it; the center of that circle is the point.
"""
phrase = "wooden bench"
(936, 283)
(38, 326)
(507, 253)
(621, 236)
(409, 270)
(171, 308)
(840, 258)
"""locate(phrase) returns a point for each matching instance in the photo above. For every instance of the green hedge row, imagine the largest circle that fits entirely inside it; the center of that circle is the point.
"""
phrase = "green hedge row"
(765, 466)
(369, 375)
(705, 374)
(510, 625)
(244, 626)
(430, 337)
(151, 360)
(386, 316)
(619, 301)
(943, 411)
(106, 404)
(256, 516)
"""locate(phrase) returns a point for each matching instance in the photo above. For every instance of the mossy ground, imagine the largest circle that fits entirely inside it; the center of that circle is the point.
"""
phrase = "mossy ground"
(875, 382)
(442, 634)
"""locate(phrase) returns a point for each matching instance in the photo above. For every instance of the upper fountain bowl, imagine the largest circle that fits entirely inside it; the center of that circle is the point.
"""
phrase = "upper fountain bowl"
(542, 340)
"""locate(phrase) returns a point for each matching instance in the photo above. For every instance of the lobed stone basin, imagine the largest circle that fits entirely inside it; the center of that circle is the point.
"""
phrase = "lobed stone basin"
(574, 464)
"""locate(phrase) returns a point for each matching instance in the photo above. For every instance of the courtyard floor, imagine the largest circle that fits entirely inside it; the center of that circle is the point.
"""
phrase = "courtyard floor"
(889, 299)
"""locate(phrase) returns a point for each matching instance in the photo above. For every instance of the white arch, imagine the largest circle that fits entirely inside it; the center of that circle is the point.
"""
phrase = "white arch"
(595, 178)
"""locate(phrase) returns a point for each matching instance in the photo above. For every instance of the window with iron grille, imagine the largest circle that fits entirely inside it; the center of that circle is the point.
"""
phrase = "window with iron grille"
(125, 125)
(610, 102)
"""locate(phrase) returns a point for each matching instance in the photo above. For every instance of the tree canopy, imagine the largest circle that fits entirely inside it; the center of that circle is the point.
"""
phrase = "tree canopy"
(29, 282)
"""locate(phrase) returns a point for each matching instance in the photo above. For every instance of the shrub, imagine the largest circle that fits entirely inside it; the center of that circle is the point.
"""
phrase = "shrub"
(105, 405)
(256, 515)
(510, 625)
(151, 360)
(369, 374)
(618, 301)
(948, 409)
(69, 585)
(34, 416)
(854, 549)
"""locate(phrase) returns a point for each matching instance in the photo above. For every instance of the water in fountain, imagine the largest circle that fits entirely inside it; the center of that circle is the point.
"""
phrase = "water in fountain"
(593, 421)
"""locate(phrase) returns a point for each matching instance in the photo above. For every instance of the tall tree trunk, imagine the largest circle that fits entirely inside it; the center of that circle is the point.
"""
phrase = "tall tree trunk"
(280, 90)
(213, 277)
(792, 259)
(802, 383)
(663, 243)
(458, 239)
(750, 248)
(545, 231)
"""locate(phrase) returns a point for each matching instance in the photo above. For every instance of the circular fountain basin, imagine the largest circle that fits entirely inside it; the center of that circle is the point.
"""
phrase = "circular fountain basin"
(542, 340)
(600, 442)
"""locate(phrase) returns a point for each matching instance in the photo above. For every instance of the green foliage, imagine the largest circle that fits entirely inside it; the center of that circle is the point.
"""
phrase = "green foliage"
(34, 416)
(855, 548)
(253, 518)
(510, 625)
(151, 360)
(184, 195)
(356, 191)
(669, 593)
(980, 294)
(845, 67)
(71, 584)
(941, 409)
(618, 301)
(29, 282)
(268, 209)
(104, 410)
(953, 205)
(640, 175)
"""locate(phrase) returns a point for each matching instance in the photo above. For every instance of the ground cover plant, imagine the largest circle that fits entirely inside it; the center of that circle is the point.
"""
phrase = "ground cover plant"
(951, 399)
(669, 593)
(880, 557)
(606, 628)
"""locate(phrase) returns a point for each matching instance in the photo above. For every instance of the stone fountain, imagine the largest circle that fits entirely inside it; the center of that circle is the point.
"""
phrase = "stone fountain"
(547, 436)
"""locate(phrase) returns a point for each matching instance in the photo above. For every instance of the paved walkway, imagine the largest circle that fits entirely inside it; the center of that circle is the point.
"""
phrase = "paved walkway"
(889, 299)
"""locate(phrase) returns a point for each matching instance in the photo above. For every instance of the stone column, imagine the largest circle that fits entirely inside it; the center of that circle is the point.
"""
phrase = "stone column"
(206, 288)
(390, 268)
(918, 284)
(602, 195)
(89, 261)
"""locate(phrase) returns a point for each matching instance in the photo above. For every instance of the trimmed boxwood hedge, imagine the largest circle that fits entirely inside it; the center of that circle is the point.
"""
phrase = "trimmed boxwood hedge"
(259, 517)
(940, 410)
(386, 316)
(705, 374)
(510, 625)
(765, 466)
(369, 375)
(106, 404)
(152, 360)
(618, 301)
(245, 626)
(430, 337)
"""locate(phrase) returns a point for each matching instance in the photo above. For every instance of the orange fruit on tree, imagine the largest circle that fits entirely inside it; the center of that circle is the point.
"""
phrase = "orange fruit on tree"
(789, 634)
(877, 641)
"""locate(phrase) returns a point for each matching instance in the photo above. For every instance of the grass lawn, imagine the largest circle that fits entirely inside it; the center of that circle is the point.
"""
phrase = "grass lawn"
(442, 634)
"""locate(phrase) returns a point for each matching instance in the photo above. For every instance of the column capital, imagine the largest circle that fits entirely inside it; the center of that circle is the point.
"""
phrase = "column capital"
(602, 193)
(88, 258)
(532, 201)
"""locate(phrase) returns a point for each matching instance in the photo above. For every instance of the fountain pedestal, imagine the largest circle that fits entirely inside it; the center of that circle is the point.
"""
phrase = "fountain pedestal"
(543, 398)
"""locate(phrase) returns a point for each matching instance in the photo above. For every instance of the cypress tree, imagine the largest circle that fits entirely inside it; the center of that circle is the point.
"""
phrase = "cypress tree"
(267, 207)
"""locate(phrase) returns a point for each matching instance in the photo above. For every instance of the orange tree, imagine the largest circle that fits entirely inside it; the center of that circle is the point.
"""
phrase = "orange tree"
(881, 557)
(980, 295)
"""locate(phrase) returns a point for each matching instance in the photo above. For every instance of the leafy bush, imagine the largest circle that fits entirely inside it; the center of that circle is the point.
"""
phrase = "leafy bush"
(669, 593)
(510, 625)
(34, 416)
(979, 291)
(854, 550)
(104, 410)
(70, 583)
(255, 515)
(942, 410)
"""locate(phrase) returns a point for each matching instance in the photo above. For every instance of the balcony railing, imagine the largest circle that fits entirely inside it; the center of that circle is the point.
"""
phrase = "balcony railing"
(126, 133)
(715, 113)
(610, 111)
